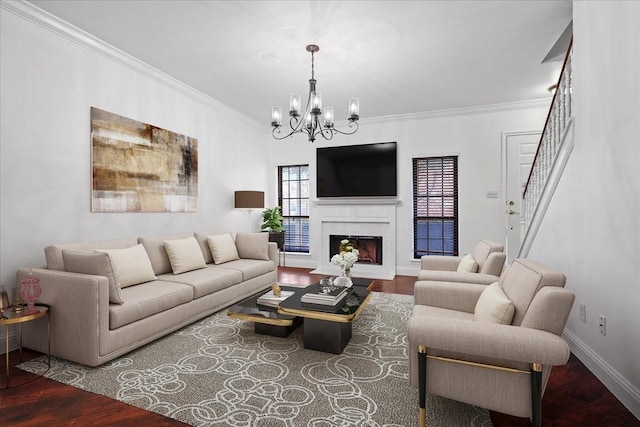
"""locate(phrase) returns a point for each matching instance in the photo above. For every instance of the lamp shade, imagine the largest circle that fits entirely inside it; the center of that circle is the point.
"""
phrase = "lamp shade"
(248, 199)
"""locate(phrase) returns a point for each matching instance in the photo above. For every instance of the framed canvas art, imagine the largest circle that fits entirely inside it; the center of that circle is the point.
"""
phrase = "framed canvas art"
(137, 167)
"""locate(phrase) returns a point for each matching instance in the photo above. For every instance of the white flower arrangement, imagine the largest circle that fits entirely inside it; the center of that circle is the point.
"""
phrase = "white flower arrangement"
(348, 255)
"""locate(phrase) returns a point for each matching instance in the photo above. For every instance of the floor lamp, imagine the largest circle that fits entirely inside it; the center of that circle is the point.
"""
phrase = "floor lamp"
(248, 200)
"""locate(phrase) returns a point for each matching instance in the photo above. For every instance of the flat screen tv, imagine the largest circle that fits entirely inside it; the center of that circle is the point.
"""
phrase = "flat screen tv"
(367, 170)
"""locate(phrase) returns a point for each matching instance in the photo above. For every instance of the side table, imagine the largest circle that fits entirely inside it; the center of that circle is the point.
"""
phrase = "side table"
(9, 317)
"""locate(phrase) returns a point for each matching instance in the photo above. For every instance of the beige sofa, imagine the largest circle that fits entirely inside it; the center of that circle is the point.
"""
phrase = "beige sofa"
(98, 317)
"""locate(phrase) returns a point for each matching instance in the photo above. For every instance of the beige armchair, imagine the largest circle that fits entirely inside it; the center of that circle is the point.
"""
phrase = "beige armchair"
(455, 352)
(489, 257)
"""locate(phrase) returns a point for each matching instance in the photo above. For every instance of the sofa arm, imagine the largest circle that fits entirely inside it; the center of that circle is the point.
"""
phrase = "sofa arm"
(273, 252)
(453, 296)
(443, 263)
(79, 314)
(454, 276)
(489, 340)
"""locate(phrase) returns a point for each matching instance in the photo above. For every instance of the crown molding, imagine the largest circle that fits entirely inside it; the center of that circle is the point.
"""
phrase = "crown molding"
(481, 109)
(52, 23)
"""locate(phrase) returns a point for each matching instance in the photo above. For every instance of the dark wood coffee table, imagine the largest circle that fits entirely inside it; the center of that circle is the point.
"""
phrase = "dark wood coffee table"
(325, 329)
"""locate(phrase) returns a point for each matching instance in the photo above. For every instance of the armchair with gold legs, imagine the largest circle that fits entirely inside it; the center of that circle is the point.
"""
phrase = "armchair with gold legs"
(490, 346)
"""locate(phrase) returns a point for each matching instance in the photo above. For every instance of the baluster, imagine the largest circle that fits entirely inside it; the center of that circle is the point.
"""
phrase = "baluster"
(569, 73)
(563, 106)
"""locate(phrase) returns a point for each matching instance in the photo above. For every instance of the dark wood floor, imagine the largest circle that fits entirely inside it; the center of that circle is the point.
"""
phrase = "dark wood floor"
(574, 397)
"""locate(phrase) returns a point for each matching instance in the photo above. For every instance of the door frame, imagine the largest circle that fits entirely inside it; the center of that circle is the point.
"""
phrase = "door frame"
(503, 176)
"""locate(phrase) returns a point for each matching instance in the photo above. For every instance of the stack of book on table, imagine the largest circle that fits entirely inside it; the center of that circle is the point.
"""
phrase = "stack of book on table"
(272, 300)
(330, 298)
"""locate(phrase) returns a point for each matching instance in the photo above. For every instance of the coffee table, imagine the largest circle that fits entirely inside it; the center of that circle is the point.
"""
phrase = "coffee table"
(325, 329)
(267, 319)
(329, 331)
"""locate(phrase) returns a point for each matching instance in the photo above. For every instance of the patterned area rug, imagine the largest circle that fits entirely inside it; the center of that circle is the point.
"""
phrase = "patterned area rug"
(218, 372)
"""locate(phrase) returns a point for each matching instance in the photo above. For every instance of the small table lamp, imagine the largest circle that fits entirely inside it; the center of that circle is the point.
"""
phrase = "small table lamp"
(248, 200)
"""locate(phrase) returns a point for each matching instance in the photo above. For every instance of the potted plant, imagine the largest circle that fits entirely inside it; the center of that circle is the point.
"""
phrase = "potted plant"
(272, 221)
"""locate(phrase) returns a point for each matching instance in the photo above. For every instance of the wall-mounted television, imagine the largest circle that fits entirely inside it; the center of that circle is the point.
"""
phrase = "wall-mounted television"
(367, 170)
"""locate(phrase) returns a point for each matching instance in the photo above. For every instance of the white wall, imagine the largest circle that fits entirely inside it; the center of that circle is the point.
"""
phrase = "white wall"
(49, 82)
(591, 231)
(474, 134)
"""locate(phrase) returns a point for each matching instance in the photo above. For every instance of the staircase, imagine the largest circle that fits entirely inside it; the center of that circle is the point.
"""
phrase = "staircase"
(554, 149)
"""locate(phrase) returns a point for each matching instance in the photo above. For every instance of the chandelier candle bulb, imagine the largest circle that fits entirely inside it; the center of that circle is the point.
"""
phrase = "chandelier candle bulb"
(294, 104)
(276, 116)
(328, 117)
(354, 109)
(316, 103)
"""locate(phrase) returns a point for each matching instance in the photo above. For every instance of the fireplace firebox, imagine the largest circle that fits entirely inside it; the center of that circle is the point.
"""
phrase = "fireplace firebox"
(370, 247)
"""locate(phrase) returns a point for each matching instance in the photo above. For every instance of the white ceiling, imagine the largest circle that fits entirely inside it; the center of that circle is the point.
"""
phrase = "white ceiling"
(398, 57)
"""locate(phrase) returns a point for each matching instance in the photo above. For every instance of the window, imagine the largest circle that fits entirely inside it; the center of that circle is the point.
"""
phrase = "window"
(293, 197)
(435, 206)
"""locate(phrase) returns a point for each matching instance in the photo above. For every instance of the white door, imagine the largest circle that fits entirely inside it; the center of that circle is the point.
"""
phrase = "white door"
(520, 150)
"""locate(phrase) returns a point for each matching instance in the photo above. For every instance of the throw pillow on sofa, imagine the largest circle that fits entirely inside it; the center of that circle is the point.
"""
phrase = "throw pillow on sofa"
(131, 265)
(184, 255)
(494, 306)
(253, 245)
(223, 248)
(98, 264)
(468, 264)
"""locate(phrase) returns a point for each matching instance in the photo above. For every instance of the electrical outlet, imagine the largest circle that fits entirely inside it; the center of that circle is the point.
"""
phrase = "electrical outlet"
(603, 325)
(583, 312)
(492, 194)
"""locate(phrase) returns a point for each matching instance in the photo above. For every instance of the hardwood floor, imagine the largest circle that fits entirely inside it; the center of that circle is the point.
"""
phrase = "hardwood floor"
(574, 396)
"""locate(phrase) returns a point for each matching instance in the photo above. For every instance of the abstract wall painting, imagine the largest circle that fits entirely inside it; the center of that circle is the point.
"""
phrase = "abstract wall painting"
(137, 167)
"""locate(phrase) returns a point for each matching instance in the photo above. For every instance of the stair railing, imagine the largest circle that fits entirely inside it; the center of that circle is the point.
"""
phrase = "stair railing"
(554, 148)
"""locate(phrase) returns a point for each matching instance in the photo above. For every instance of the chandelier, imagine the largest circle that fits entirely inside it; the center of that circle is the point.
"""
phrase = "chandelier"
(309, 121)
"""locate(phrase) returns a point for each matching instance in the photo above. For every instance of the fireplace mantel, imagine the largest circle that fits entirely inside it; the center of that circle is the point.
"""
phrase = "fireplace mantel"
(356, 201)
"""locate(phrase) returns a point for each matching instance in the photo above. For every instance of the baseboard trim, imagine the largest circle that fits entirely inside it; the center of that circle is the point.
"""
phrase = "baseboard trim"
(624, 391)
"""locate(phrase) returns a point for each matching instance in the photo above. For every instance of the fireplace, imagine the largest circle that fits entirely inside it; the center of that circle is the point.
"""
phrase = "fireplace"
(371, 221)
(370, 247)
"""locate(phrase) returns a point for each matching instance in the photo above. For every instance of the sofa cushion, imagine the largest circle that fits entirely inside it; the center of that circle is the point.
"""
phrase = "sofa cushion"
(147, 299)
(154, 245)
(250, 268)
(253, 245)
(131, 265)
(483, 249)
(53, 253)
(493, 306)
(184, 255)
(522, 281)
(223, 248)
(95, 263)
(207, 280)
(430, 311)
(468, 264)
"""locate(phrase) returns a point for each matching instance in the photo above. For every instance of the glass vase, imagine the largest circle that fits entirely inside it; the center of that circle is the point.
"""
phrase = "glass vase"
(343, 280)
(30, 290)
